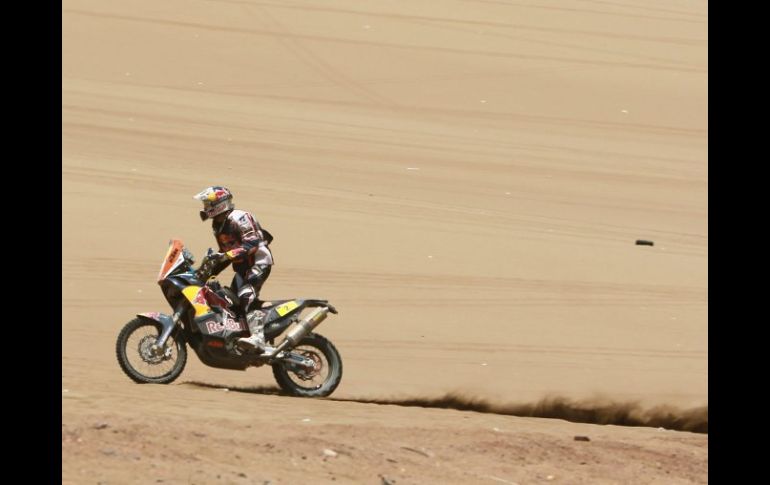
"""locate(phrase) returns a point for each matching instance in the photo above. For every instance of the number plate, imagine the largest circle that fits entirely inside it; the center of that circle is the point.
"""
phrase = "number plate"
(286, 308)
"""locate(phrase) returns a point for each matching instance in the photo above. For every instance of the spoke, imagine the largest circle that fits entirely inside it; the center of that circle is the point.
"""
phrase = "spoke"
(138, 346)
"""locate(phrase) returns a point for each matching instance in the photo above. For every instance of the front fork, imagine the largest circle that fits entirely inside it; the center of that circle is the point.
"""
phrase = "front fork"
(168, 324)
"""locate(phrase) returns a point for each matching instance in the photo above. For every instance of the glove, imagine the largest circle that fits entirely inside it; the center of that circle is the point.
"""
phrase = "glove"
(204, 271)
(218, 262)
(218, 258)
(214, 263)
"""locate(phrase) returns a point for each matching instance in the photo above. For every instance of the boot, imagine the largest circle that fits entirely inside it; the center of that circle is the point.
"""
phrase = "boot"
(256, 323)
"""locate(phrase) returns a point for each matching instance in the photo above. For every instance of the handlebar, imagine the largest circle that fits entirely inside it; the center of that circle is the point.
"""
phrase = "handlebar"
(206, 268)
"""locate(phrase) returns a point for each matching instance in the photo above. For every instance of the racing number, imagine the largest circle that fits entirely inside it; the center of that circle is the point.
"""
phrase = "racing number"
(286, 308)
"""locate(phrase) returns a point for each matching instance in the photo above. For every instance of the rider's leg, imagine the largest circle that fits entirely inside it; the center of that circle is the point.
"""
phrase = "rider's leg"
(248, 295)
(236, 285)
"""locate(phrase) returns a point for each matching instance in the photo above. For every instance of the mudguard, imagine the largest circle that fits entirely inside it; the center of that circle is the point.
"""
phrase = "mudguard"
(283, 308)
(166, 324)
(282, 313)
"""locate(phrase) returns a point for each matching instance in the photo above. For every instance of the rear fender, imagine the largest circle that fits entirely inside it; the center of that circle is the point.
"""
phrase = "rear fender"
(166, 325)
(289, 307)
(321, 303)
(281, 316)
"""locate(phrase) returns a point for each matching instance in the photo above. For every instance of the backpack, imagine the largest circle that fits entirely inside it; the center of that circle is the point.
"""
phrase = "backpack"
(266, 233)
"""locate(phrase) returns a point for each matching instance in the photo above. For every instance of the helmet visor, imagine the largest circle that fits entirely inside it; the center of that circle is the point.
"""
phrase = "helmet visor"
(213, 209)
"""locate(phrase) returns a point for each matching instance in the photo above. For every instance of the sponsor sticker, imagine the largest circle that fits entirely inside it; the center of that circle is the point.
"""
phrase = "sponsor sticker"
(214, 326)
(286, 307)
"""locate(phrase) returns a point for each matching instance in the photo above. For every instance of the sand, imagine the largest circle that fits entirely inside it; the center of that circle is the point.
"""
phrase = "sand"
(464, 180)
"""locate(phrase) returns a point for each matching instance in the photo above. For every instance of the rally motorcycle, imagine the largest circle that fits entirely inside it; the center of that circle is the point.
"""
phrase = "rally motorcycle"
(152, 348)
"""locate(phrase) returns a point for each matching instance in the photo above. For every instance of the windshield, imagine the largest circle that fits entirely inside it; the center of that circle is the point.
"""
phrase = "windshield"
(174, 257)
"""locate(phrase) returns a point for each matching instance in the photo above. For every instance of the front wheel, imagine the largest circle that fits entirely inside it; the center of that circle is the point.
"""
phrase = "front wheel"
(141, 361)
(325, 376)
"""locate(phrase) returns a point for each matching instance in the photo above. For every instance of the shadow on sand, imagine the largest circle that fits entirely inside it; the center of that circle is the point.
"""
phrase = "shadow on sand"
(593, 411)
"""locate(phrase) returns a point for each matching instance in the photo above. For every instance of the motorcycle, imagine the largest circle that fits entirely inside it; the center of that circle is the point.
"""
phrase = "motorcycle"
(152, 348)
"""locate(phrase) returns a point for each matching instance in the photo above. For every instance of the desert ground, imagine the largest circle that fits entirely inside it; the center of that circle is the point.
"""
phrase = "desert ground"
(464, 180)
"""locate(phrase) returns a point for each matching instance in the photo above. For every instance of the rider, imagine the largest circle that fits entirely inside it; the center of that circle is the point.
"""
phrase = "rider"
(243, 242)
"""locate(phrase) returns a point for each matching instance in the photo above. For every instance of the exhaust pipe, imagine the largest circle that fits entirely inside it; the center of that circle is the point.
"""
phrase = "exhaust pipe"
(304, 327)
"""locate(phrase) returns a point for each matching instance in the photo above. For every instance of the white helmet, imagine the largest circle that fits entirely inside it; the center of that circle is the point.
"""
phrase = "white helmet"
(216, 200)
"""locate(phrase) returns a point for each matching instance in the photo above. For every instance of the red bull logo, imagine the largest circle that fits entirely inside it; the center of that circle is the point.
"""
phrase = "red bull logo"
(200, 298)
(217, 193)
(228, 324)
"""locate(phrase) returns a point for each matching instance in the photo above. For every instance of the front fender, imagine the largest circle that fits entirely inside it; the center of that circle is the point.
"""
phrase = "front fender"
(166, 325)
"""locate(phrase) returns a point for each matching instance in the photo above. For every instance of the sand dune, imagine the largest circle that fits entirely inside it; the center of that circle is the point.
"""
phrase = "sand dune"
(464, 180)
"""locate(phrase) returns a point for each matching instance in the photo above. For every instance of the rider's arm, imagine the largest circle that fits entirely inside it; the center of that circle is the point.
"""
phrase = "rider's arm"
(251, 236)
(219, 261)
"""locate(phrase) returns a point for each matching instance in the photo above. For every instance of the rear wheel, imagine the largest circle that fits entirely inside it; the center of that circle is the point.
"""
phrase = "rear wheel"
(320, 381)
(144, 363)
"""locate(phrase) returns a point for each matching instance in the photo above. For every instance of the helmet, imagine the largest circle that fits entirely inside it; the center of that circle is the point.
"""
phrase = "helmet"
(216, 200)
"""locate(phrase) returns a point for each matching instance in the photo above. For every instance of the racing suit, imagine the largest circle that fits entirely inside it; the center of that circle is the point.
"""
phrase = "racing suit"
(244, 241)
